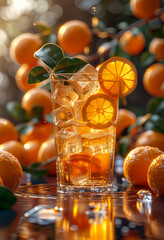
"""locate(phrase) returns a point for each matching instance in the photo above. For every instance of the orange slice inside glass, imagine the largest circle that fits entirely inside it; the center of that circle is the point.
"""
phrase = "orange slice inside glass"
(99, 111)
(118, 77)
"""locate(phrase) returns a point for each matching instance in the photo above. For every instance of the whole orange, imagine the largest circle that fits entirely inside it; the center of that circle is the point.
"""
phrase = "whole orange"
(73, 36)
(137, 162)
(21, 77)
(32, 149)
(7, 131)
(125, 119)
(37, 97)
(150, 138)
(10, 170)
(153, 80)
(156, 47)
(144, 8)
(132, 41)
(41, 132)
(22, 48)
(47, 151)
(16, 148)
(155, 175)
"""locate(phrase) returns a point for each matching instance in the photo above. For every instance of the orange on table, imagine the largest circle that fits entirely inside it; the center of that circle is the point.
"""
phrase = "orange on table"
(99, 111)
(17, 149)
(132, 41)
(153, 80)
(10, 170)
(47, 151)
(150, 138)
(32, 149)
(7, 131)
(37, 97)
(73, 36)
(117, 77)
(21, 77)
(41, 132)
(156, 47)
(144, 8)
(125, 119)
(22, 48)
(155, 175)
(137, 162)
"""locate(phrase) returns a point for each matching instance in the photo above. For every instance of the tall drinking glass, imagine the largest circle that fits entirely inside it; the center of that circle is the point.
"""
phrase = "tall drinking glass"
(85, 119)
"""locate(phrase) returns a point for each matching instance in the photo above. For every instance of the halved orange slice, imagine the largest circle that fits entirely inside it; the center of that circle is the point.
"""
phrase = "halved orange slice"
(118, 77)
(99, 111)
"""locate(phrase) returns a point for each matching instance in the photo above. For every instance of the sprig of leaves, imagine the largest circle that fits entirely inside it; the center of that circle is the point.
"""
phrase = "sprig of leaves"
(7, 198)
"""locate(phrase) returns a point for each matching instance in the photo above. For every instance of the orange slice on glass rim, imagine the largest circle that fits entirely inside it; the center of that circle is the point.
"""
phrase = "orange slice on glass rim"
(99, 111)
(118, 77)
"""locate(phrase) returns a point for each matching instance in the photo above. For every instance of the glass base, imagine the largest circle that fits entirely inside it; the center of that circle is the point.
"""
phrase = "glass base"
(84, 189)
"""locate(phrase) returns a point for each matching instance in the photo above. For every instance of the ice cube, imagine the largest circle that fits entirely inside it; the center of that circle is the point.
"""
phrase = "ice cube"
(62, 115)
(64, 95)
(68, 142)
(85, 81)
(97, 141)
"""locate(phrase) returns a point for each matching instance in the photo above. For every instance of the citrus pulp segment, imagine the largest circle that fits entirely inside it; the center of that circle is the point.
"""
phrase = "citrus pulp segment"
(118, 77)
(99, 111)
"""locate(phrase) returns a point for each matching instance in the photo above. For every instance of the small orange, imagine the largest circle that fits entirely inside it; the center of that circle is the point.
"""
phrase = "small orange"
(132, 41)
(153, 80)
(32, 149)
(155, 175)
(150, 138)
(117, 77)
(37, 97)
(1, 182)
(7, 131)
(73, 36)
(21, 78)
(41, 132)
(10, 170)
(23, 47)
(16, 148)
(144, 8)
(99, 111)
(156, 47)
(137, 162)
(47, 151)
(125, 119)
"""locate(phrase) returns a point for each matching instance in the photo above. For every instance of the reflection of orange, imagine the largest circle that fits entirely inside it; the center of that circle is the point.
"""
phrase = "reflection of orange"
(144, 8)
(74, 36)
(7, 131)
(37, 97)
(132, 42)
(47, 151)
(155, 175)
(10, 170)
(21, 77)
(156, 47)
(1, 182)
(150, 138)
(32, 149)
(99, 111)
(153, 80)
(41, 132)
(125, 119)
(17, 149)
(118, 77)
(23, 47)
(137, 162)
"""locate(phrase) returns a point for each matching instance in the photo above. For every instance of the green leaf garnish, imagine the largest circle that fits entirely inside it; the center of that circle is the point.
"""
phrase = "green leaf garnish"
(50, 54)
(69, 65)
(156, 106)
(155, 123)
(37, 74)
(35, 172)
(22, 128)
(7, 198)
(17, 112)
(43, 27)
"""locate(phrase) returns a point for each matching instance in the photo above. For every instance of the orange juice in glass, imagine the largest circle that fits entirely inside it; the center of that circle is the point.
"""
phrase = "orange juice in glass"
(85, 106)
